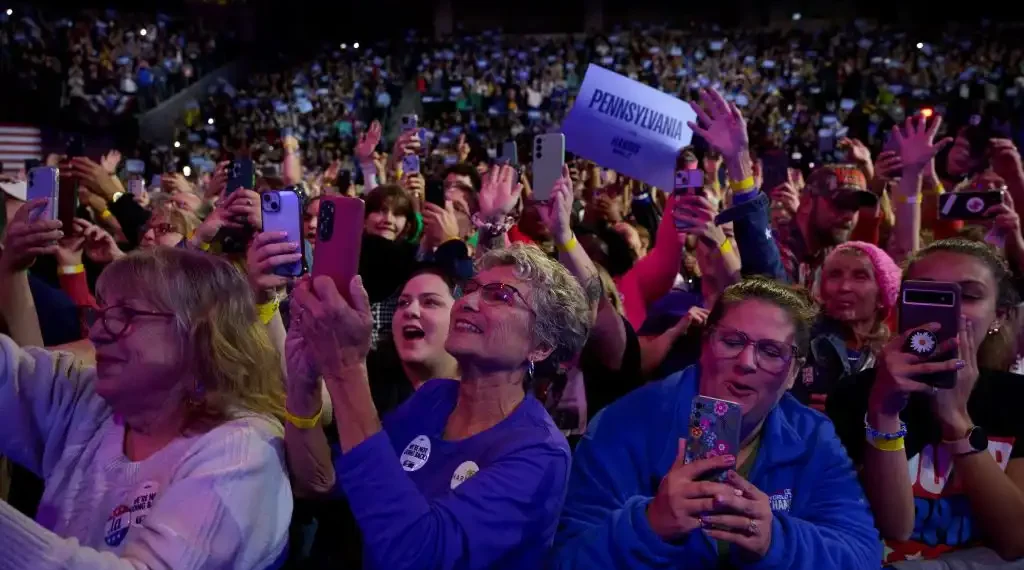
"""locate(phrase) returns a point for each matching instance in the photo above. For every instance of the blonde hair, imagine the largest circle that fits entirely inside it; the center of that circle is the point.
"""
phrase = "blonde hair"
(184, 222)
(234, 364)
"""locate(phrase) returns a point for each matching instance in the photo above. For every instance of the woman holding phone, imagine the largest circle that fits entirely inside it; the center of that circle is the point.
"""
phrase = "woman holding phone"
(464, 474)
(790, 498)
(944, 468)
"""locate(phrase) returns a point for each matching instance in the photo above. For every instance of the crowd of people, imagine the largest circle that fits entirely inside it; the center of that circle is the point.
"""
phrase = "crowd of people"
(617, 375)
(802, 90)
(103, 64)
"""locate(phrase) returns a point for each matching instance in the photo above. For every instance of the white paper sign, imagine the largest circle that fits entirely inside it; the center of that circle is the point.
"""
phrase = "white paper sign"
(627, 126)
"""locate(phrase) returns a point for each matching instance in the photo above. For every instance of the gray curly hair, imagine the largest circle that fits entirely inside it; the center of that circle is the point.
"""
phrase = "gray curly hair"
(557, 299)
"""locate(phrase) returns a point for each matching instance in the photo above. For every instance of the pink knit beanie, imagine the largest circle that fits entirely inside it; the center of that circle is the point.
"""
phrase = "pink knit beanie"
(887, 274)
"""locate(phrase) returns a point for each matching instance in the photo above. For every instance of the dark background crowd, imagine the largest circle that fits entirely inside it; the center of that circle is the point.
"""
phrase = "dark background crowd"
(509, 382)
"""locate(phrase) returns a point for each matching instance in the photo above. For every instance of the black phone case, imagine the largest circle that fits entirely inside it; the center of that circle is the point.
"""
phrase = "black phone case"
(913, 314)
(714, 430)
(968, 205)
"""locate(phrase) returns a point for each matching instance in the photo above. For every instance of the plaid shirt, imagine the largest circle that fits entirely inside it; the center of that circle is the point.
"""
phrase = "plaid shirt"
(383, 312)
(801, 267)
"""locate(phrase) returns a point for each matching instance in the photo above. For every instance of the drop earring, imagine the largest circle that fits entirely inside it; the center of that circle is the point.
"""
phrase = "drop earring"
(529, 369)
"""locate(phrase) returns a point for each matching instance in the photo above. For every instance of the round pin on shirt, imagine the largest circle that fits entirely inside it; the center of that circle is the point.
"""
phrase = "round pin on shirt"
(416, 454)
(464, 471)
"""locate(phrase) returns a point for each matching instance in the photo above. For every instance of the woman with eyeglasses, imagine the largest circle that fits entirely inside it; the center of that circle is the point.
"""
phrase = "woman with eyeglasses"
(467, 474)
(168, 453)
(789, 497)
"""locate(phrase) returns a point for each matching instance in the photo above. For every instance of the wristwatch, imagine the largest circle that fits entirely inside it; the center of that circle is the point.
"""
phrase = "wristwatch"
(117, 195)
(976, 440)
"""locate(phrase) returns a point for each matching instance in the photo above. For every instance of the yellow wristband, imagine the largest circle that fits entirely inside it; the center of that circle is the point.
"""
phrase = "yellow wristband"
(568, 246)
(71, 269)
(887, 444)
(725, 247)
(742, 185)
(938, 189)
(203, 246)
(267, 310)
(105, 214)
(909, 199)
(304, 423)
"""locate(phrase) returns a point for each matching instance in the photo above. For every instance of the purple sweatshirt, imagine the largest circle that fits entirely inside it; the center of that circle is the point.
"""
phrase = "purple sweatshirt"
(489, 501)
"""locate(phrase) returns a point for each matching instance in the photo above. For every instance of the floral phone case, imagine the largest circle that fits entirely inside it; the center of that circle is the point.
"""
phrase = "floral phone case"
(714, 430)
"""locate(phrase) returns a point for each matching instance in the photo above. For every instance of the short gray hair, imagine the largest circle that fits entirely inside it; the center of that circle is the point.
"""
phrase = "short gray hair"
(557, 299)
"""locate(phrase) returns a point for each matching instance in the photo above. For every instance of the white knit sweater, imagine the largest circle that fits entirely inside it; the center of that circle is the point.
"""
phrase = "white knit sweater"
(220, 500)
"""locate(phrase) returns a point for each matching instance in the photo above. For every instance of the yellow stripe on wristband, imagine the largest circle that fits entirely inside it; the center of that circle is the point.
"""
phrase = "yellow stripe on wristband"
(105, 214)
(725, 247)
(71, 269)
(568, 246)
(887, 444)
(909, 199)
(267, 310)
(742, 185)
(304, 423)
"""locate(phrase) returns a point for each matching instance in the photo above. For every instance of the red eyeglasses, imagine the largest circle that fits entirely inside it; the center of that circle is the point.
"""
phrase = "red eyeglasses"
(496, 293)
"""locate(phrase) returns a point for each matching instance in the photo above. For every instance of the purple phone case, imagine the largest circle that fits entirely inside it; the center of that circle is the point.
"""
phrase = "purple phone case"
(282, 212)
(714, 430)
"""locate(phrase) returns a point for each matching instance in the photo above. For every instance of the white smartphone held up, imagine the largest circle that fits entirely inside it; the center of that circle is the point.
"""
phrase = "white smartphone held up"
(548, 159)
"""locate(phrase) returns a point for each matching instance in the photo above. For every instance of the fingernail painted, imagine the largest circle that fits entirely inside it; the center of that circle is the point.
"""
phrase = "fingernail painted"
(738, 492)
(960, 364)
(730, 459)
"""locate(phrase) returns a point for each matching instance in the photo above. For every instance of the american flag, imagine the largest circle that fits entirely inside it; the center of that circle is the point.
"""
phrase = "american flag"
(19, 143)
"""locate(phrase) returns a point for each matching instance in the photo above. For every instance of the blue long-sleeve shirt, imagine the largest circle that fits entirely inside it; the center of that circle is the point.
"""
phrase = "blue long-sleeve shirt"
(750, 217)
(821, 518)
(489, 501)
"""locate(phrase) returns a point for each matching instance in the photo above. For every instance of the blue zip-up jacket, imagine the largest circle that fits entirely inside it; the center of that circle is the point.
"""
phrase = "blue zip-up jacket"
(821, 518)
(759, 254)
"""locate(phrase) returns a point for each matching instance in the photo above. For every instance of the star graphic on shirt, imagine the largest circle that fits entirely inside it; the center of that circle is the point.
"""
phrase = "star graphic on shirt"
(886, 551)
(768, 233)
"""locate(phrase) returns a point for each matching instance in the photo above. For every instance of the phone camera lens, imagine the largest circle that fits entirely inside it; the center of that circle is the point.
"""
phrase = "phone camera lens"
(266, 197)
(699, 405)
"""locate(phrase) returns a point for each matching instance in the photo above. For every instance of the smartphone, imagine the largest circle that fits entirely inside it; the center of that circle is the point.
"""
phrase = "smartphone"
(134, 166)
(687, 179)
(339, 237)
(923, 302)
(435, 193)
(968, 205)
(548, 158)
(43, 182)
(136, 186)
(409, 122)
(410, 164)
(509, 153)
(241, 174)
(282, 212)
(714, 430)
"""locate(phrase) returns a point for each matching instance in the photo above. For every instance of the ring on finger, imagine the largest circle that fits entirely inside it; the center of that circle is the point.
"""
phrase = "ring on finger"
(752, 528)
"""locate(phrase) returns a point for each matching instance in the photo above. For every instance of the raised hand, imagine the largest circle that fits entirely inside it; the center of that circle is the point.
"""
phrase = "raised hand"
(556, 212)
(267, 251)
(950, 406)
(915, 145)
(28, 237)
(498, 194)
(721, 124)
(100, 246)
(367, 144)
(743, 518)
(336, 332)
(439, 224)
(682, 500)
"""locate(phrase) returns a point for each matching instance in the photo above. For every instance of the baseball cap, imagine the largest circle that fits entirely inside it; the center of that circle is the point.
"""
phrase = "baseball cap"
(844, 185)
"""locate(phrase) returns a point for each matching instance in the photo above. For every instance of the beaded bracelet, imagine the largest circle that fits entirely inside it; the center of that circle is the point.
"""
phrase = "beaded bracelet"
(873, 434)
